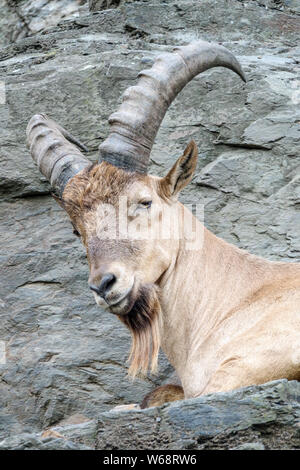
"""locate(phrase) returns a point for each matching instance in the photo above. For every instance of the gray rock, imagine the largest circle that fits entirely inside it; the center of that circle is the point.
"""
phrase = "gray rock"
(65, 356)
(81, 433)
(250, 446)
(253, 418)
(20, 18)
(41, 15)
(98, 5)
(10, 24)
(35, 442)
(258, 417)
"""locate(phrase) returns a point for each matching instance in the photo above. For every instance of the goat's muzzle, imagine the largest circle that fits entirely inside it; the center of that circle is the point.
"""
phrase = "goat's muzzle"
(111, 297)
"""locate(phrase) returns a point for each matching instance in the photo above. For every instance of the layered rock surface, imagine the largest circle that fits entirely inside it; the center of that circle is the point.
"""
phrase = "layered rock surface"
(21, 18)
(64, 356)
(253, 418)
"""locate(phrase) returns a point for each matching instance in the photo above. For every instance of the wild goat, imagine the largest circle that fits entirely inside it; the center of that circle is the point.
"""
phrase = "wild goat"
(224, 318)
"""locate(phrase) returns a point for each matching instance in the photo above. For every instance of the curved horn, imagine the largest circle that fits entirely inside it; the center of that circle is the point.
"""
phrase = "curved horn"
(135, 125)
(51, 149)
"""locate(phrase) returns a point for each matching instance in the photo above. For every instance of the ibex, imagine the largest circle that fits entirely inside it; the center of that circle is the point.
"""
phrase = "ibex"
(224, 318)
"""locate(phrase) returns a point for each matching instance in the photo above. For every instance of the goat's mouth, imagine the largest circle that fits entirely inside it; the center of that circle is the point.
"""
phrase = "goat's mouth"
(125, 304)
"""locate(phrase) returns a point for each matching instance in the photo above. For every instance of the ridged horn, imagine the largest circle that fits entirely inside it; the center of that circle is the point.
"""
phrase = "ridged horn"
(53, 151)
(135, 125)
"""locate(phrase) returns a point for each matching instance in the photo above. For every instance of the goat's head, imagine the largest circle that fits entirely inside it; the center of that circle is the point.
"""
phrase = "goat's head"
(116, 208)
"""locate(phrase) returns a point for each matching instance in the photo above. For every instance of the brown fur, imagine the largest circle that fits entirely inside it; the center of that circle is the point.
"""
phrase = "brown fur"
(163, 394)
(143, 321)
(181, 172)
(104, 183)
(224, 318)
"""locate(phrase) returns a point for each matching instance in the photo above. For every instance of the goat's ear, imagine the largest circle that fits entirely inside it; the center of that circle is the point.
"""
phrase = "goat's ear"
(181, 173)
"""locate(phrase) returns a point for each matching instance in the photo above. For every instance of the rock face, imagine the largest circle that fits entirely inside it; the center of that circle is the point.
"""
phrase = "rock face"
(254, 418)
(98, 5)
(20, 18)
(61, 355)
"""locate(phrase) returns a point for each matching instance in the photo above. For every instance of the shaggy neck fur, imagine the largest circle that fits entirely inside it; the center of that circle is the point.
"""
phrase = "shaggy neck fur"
(144, 323)
(224, 318)
(219, 311)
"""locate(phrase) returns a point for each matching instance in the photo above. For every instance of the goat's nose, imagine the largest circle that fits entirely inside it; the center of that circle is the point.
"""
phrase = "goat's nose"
(106, 283)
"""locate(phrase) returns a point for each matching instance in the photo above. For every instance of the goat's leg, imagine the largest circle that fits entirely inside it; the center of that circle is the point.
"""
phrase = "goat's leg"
(163, 394)
(157, 397)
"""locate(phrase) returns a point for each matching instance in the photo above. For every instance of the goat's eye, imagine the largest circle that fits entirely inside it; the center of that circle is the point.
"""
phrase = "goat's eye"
(146, 204)
(75, 231)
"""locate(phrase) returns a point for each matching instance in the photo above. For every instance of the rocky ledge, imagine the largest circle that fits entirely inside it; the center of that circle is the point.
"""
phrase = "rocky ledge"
(253, 418)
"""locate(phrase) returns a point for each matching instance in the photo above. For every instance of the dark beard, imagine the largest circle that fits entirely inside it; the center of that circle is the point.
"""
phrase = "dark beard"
(143, 321)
